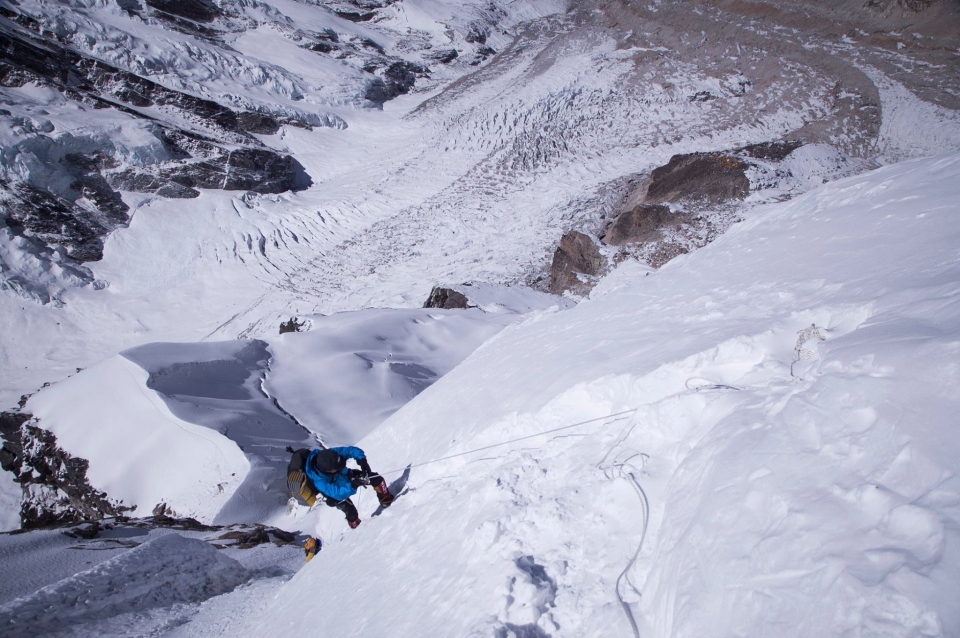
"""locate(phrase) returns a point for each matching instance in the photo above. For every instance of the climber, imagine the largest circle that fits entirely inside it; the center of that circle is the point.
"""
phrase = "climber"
(329, 475)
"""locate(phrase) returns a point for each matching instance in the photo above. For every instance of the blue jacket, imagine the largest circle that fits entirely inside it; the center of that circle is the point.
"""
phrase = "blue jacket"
(334, 486)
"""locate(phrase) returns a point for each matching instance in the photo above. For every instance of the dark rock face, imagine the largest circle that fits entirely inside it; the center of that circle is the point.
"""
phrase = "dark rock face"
(11, 454)
(775, 151)
(916, 5)
(641, 223)
(248, 169)
(577, 253)
(55, 486)
(447, 299)
(238, 536)
(291, 326)
(353, 16)
(444, 57)
(398, 79)
(196, 10)
(57, 222)
(713, 177)
(477, 33)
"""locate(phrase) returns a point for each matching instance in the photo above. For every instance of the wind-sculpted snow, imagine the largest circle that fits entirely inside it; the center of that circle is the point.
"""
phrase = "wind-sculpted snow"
(797, 477)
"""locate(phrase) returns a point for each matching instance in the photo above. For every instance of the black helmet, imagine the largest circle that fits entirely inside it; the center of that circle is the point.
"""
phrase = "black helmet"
(328, 462)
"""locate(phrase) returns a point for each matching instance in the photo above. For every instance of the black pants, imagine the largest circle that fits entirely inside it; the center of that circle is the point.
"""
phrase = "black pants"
(346, 505)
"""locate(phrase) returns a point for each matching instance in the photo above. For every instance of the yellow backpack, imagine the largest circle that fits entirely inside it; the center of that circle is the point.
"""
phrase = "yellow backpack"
(298, 483)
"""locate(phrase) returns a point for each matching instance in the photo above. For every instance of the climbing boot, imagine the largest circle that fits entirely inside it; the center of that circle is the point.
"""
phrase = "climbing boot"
(353, 524)
(383, 493)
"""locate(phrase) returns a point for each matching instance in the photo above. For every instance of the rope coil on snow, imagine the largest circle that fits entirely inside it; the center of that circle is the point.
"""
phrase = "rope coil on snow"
(645, 504)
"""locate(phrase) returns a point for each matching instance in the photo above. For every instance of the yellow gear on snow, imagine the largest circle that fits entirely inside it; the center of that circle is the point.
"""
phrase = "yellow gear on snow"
(310, 546)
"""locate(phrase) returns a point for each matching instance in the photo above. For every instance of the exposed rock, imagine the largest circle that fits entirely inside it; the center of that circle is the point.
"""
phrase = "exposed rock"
(196, 10)
(447, 299)
(246, 538)
(482, 54)
(11, 454)
(292, 326)
(54, 483)
(86, 531)
(142, 182)
(80, 231)
(25, 57)
(353, 16)
(397, 79)
(702, 96)
(711, 177)
(323, 47)
(130, 6)
(239, 536)
(641, 223)
(577, 259)
(258, 123)
(445, 56)
(477, 33)
(916, 5)
(249, 169)
(773, 151)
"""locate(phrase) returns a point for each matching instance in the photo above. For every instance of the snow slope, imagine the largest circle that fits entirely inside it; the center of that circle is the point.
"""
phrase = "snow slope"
(799, 480)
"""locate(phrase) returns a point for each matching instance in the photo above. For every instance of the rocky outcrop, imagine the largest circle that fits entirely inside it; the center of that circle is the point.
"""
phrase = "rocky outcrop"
(678, 207)
(196, 10)
(705, 177)
(54, 483)
(80, 232)
(643, 222)
(576, 261)
(397, 79)
(447, 299)
(773, 151)
(292, 326)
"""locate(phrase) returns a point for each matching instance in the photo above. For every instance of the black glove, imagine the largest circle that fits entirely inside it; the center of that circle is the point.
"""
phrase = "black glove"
(357, 478)
(365, 466)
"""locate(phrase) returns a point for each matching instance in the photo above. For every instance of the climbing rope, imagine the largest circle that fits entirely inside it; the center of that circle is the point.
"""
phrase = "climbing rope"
(805, 354)
(614, 470)
(710, 385)
(645, 505)
(522, 438)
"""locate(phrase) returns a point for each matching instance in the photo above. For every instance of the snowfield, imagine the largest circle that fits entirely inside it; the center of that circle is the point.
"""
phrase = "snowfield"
(799, 481)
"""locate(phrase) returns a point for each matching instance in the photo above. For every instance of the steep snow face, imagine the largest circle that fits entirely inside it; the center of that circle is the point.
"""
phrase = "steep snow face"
(791, 390)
